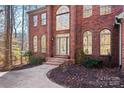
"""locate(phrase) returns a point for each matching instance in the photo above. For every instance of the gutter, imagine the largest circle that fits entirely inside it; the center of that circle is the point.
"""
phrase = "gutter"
(118, 22)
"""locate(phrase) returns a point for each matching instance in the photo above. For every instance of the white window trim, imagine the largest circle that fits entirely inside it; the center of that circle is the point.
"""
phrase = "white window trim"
(35, 47)
(87, 41)
(35, 23)
(61, 13)
(105, 44)
(43, 50)
(108, 7)
(85, 11)
(43, 18)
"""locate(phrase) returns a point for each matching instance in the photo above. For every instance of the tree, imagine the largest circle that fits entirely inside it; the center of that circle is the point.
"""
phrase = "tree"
(8, 38)
(22, 31)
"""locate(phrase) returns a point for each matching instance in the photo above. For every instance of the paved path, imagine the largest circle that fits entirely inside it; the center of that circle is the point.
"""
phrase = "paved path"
(28, 78)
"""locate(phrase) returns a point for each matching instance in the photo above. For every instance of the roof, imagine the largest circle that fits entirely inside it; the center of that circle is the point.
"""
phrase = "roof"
(32, 11)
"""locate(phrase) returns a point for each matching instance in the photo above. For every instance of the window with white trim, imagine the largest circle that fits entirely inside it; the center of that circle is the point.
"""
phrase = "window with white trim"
(87, 11)
(35, 43)
(62, 18)
(43, 19)
(105, 42)
(43, 43)
(35, 20)
(105, 9)
(87, 42)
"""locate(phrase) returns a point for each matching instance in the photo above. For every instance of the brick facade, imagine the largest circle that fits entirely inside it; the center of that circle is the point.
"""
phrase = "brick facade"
(78, 25)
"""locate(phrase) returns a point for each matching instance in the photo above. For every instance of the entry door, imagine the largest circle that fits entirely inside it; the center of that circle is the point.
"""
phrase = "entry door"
(62, 45)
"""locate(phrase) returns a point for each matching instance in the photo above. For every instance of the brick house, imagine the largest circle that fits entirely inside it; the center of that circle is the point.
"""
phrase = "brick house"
(59, 31)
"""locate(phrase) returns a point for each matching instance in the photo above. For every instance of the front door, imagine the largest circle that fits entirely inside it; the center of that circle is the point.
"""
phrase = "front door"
(62, 45)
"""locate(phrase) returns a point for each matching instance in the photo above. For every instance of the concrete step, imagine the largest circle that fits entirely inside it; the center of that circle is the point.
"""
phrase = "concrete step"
(65, 57)
(55, 58)
(55, 61)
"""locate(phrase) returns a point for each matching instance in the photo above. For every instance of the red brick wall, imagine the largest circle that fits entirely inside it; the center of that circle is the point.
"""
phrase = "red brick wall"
(96, 23)
(38, 30)
(78, 25)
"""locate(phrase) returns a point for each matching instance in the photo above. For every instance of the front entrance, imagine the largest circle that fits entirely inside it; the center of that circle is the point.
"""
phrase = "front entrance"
(62, 44)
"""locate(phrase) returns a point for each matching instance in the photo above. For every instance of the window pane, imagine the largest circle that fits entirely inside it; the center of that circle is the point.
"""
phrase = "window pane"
(62, 22)
(87, 42)
(35, 20)
(35, 43)
(62, 9)
(62, 18)
(43, 44)
(87, 11)
(105, 42)
(105, 9)
(43, 18)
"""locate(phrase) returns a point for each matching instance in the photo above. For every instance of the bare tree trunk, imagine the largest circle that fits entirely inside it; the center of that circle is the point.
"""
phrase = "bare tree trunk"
(22, 47)
(11, 31)
(7, 63)
(13, 21)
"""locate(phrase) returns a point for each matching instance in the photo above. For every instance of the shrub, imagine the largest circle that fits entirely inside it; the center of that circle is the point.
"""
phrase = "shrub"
(92, 63)
(37, 60)
(28, 53)
(80, 57)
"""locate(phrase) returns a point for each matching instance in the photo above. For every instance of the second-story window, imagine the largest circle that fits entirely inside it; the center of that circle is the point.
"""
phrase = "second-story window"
(43, 19)
(62, 18)
(87, 11)
(35, 20)
(105, 9)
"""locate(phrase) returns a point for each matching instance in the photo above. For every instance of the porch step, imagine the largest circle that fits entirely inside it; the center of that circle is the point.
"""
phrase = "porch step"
(55, 61)
(61, 57)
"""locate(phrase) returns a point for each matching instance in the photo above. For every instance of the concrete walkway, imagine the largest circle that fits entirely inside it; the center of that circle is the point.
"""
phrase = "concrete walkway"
(28, 78)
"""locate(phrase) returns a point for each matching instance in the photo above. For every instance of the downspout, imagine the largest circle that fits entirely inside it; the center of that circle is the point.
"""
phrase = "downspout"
(120, 42)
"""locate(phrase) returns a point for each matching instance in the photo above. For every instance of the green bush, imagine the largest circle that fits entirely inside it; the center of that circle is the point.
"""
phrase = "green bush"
(37, 60)
(92, 63)
(28, 53)
(80, 57)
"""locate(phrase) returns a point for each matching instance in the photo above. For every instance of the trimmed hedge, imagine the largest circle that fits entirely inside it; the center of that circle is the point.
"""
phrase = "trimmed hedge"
(92, 63)
(37, 60)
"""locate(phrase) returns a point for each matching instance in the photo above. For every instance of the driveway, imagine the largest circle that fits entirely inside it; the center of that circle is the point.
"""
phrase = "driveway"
(28, 78)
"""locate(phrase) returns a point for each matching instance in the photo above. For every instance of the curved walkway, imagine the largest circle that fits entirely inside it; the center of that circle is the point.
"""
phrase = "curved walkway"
(28, 78)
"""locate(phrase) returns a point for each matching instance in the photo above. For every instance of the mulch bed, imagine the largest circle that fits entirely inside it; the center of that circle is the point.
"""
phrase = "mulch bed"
(77, 76)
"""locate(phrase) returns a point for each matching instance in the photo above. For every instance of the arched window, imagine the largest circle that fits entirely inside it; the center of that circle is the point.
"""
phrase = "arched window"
(43, 43)
(105, 9)
(35, 43)
(87, 42)
(105, 42)
(87, 11)
(62, 18)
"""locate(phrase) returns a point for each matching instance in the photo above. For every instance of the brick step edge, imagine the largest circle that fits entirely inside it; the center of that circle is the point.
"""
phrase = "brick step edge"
(56, 61)
(52, 64)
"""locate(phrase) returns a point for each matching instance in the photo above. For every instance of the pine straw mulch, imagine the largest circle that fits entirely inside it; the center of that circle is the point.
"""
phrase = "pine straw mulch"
(77, 76)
